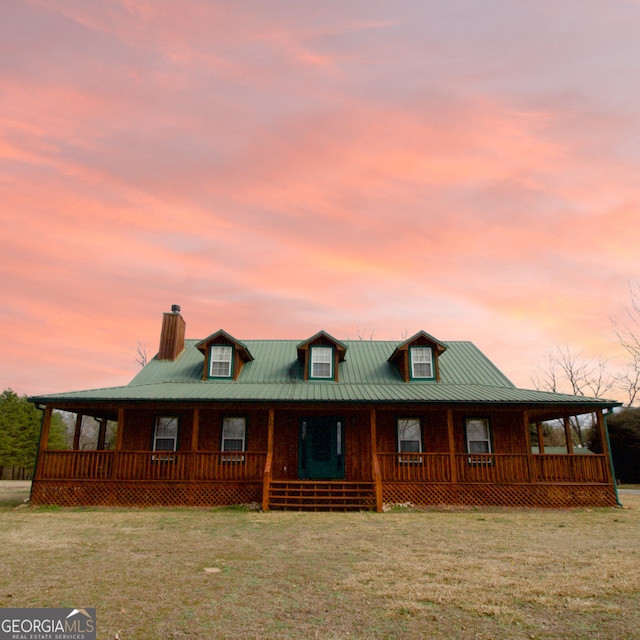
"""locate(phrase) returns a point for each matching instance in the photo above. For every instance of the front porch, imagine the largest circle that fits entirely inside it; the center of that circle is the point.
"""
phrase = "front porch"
(143, 478)
(373, 470)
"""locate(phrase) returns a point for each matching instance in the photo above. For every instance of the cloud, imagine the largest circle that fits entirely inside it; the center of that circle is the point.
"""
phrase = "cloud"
(312, 166)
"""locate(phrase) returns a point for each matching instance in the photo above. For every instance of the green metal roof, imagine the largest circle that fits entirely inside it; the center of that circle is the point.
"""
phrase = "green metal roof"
(366, 363)
(275, 374)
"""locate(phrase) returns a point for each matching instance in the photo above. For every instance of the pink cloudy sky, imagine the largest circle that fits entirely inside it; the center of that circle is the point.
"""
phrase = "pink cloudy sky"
(467, 168)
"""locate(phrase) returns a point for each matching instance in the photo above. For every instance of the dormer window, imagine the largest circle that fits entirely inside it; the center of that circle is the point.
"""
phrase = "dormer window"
(320, 357)
(220, 361)
(224, 356)
(321, 363)
(421, 363)
(418, 358)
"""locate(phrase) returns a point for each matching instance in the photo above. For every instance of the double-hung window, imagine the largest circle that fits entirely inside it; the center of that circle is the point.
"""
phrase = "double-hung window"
(165, 436)
(220, 363)
(478, 432)
(409, 439)
(234, 437)
(321, 363)
(421, 363)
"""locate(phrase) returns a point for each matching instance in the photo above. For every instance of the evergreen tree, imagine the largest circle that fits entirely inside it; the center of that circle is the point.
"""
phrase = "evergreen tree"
(20, 423)
(624, 436)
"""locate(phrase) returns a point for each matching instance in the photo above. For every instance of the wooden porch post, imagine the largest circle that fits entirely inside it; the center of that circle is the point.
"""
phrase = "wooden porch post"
(195, 437)
(266, 482)
(540, 437)
(567, 434)
(77, 432)
(102, 432)
(452, 447)
(117, 447)
(44, 441)
(375, 463)
(527, 435)
(117, 444)
(604, 443)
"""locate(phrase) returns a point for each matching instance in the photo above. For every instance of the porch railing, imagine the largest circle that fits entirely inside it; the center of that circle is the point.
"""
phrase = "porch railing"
(154, 465)
(415, 467)
(250, 465)
(85, 465)
(566, 468)
(492, 468)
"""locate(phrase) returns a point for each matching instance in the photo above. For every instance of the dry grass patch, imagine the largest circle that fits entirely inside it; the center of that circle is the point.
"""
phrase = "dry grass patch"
(14, 492)
(238, 574)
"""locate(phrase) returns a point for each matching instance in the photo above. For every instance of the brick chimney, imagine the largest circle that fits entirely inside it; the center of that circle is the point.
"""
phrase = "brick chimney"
(172, 335)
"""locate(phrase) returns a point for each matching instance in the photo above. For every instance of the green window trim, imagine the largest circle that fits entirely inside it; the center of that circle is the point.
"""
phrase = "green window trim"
(221, 357)
(321, 363)
(421, 363)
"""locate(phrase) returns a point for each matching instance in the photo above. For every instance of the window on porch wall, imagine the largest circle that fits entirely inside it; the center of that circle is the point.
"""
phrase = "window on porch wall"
(234, 435)
(478, 435)
(409, 438)
(165, 435)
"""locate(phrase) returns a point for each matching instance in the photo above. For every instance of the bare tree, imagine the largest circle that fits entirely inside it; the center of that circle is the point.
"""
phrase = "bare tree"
(362, 333)
(546, 375)
(567, 371)
(140, 355)
(586, 377)
(629, 380)
(628, 334)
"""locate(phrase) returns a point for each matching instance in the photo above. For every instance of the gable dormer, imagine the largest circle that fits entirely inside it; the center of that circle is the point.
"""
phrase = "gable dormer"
(417, 358)
(224, 356)
(320, 356)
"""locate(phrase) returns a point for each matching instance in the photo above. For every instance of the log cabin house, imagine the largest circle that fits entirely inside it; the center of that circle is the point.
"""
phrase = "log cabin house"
(321, 424)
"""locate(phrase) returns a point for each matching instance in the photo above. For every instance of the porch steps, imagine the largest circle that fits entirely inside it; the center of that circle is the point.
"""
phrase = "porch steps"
(317, 495)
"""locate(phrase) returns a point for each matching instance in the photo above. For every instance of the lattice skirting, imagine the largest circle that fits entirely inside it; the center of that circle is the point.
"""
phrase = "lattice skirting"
(520, 495)
(75, 493)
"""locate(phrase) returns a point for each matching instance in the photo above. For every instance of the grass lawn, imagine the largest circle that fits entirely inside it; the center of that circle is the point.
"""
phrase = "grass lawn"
(230, 573)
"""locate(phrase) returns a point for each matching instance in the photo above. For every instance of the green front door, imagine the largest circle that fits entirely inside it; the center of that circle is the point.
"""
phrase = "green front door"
(321, 448)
